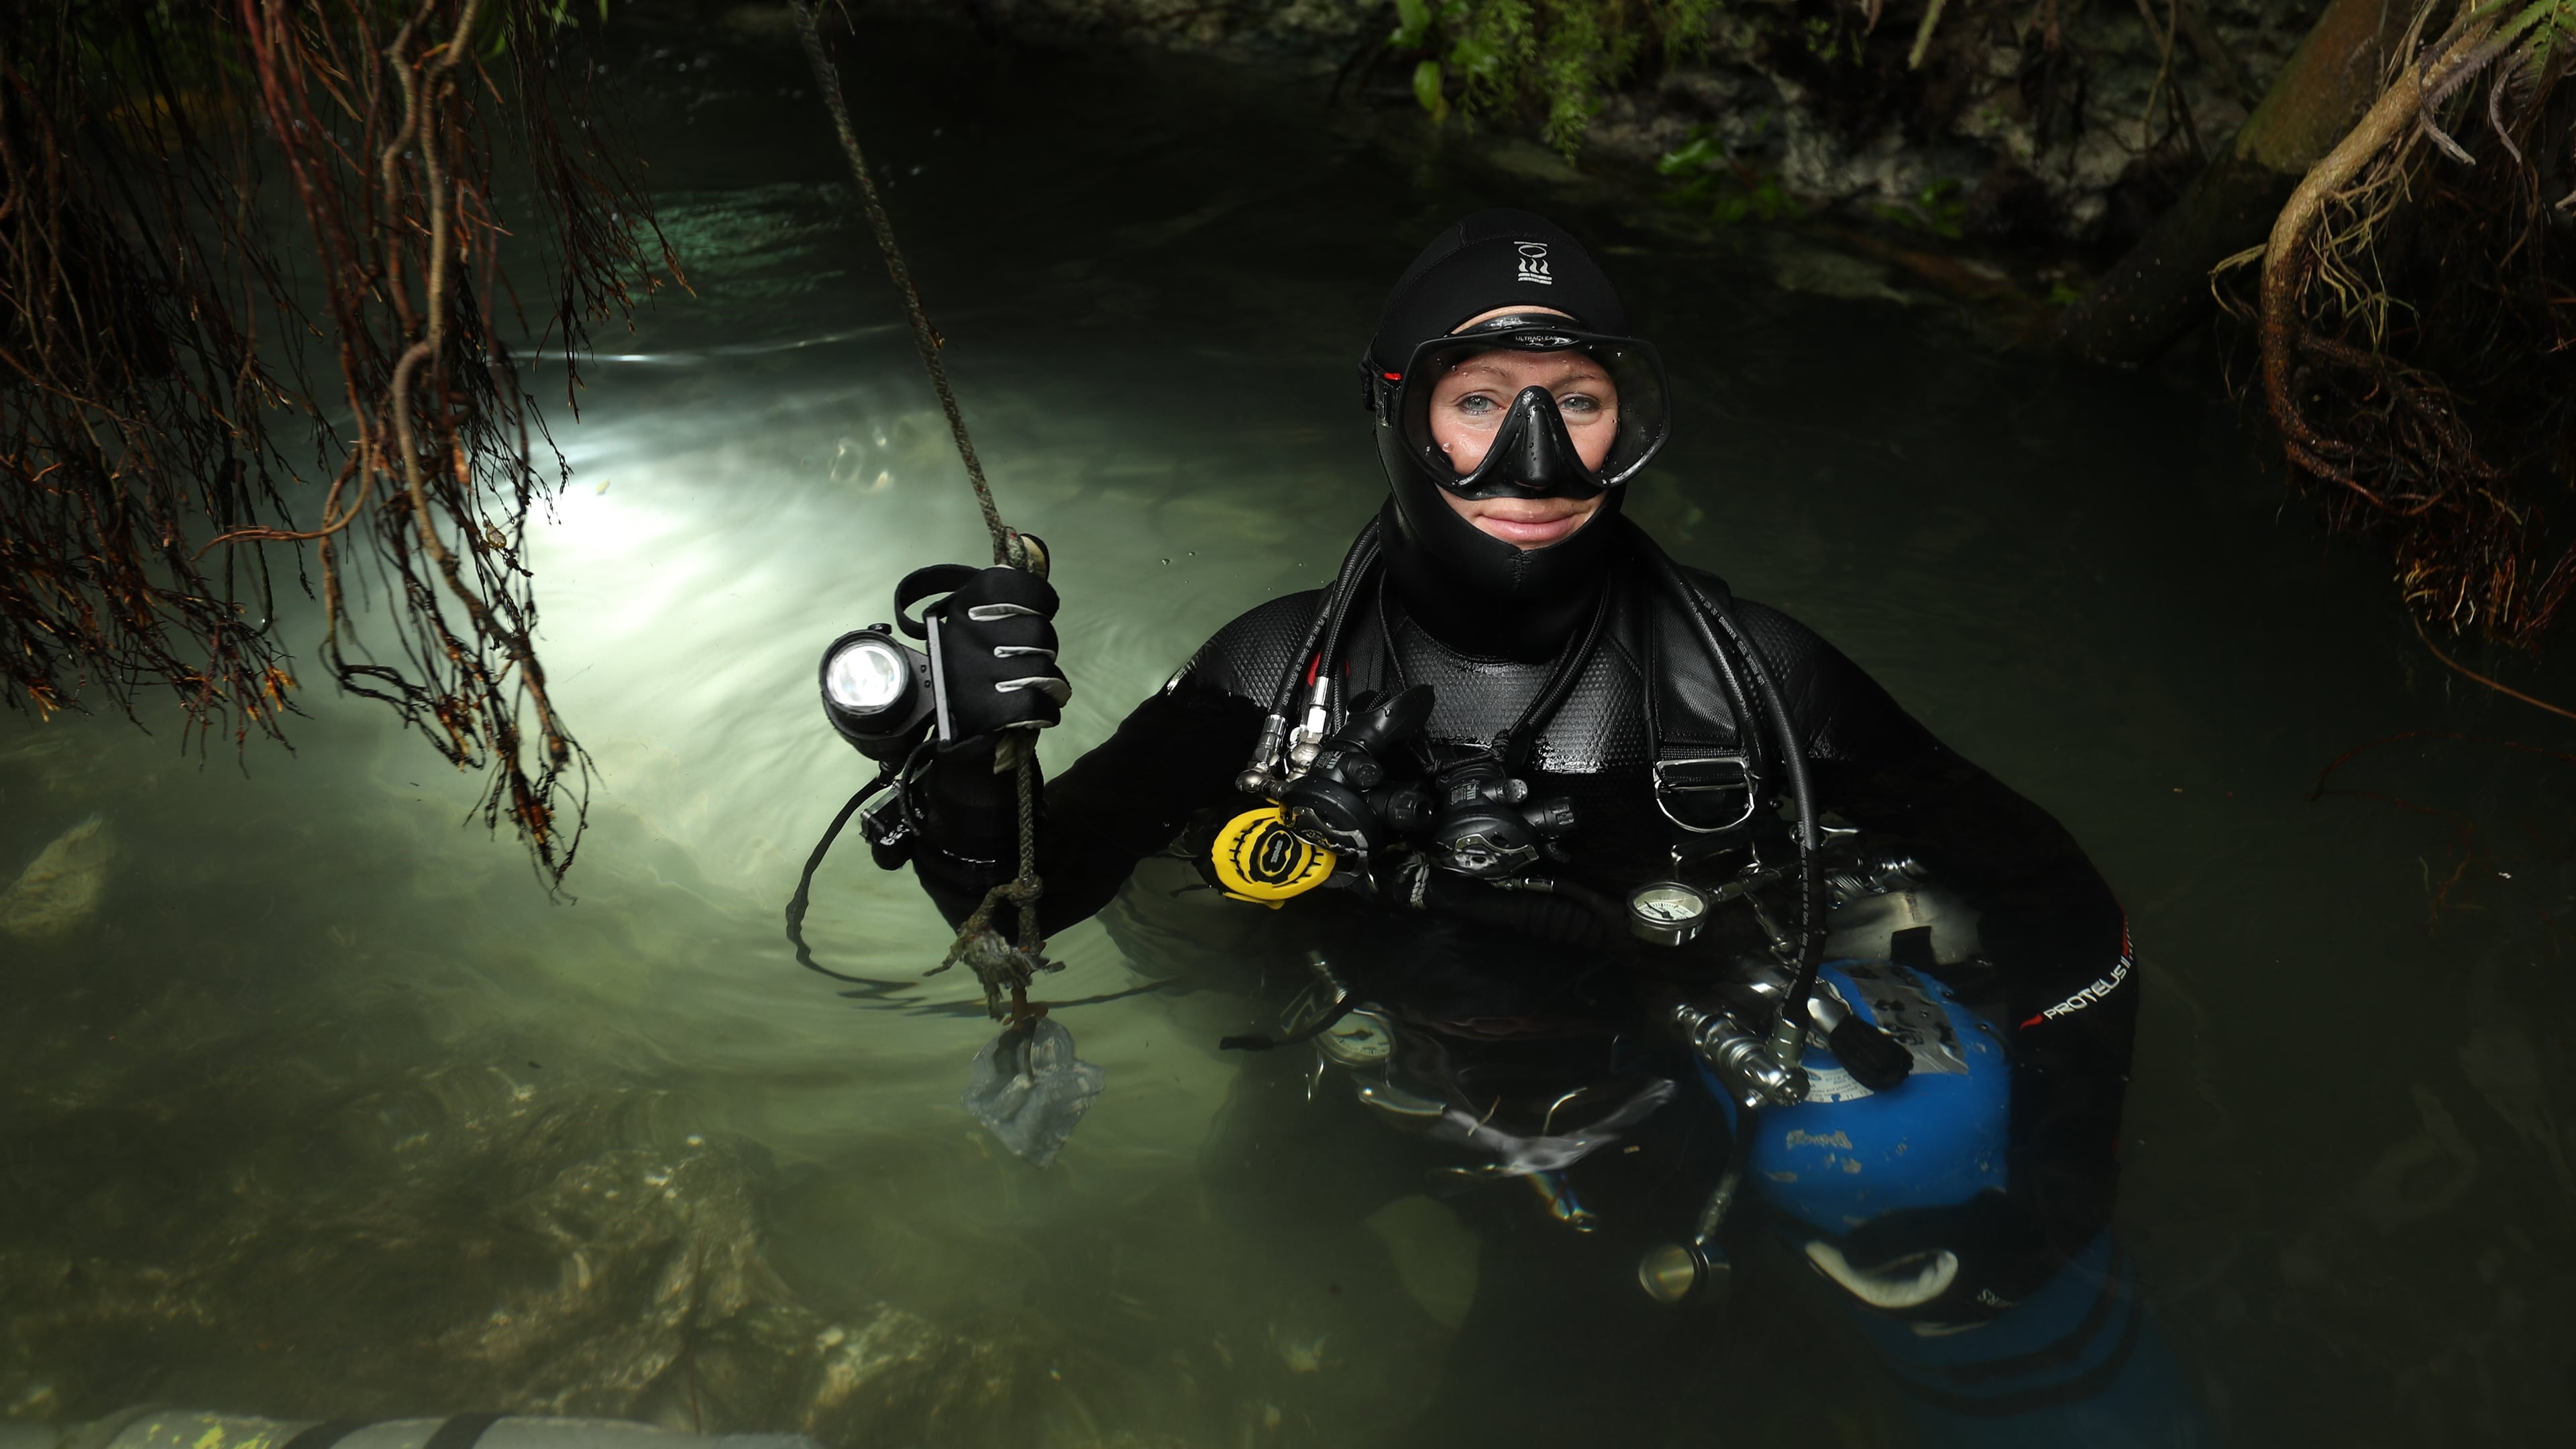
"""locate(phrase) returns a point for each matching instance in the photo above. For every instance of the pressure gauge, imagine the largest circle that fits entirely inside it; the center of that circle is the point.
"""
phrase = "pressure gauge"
(1362, 1038)
(1667, 913)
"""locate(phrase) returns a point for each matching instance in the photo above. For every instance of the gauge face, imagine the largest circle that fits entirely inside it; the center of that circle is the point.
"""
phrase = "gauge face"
(1360, 1038)
(1667, 912)
(1668, 905)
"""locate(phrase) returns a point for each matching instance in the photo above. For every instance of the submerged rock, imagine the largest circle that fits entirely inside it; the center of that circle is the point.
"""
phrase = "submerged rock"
(455, 1242)
(63, 885)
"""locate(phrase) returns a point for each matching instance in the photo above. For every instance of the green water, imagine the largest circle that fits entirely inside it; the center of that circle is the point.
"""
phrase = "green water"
(326, 1109)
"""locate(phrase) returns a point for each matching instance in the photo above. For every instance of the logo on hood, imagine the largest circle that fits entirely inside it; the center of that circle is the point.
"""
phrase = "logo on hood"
(1533, 258)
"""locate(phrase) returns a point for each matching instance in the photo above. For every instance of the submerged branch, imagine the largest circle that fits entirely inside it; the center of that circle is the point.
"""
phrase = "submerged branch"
(2507, 690)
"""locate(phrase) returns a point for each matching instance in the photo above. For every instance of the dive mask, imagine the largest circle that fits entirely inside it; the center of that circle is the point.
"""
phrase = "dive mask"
(1535, 434)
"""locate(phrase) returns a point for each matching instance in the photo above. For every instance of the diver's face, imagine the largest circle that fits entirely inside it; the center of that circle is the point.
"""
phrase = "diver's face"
(1468, 405)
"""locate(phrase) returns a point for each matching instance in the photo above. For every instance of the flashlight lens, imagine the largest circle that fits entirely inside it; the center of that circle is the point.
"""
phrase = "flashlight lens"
(868, 677)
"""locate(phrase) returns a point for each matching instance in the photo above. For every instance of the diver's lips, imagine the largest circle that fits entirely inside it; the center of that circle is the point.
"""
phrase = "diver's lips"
(1529, 533)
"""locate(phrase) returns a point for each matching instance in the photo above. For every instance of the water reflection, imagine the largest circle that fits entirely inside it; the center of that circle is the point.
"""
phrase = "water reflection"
(324, 1109)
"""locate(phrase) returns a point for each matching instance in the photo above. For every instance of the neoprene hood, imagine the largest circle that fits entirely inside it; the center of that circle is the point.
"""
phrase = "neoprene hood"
(1459, 580)
(1497, 258)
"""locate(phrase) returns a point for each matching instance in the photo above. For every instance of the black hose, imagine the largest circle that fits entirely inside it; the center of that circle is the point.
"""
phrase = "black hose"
(1609, 912)
(1362, 554)
(1515, 746)
(1802, 792)
(904, 775)
(1793, 758)
(1543, 911)
(796, 906)
(1327, 656)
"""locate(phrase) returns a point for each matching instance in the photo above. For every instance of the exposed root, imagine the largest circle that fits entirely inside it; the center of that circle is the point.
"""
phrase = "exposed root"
(2415, 322)
(142, 433)
(2498, 686)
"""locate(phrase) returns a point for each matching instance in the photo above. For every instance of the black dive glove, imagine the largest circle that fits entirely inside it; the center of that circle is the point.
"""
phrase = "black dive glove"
(995, 648)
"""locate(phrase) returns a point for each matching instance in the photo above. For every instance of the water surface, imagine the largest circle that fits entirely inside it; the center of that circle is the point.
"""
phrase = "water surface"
(328, 1110)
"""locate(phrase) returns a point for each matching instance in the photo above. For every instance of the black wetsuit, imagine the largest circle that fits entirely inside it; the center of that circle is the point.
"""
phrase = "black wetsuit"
(1492, 970)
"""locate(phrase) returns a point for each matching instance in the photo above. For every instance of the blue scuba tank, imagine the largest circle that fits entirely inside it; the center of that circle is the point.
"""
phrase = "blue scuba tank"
(1847, 1154)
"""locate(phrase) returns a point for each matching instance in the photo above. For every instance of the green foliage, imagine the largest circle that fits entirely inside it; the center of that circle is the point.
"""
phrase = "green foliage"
(1940, 209)
(1701, 152)
(2540, 26)
(1707, 181)
(1426, 89)
(494, 29)
(1830, 39)
(1556, 59)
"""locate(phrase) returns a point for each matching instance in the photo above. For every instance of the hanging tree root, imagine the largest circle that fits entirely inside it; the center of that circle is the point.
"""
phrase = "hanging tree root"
(2160, 291)
(142, 435)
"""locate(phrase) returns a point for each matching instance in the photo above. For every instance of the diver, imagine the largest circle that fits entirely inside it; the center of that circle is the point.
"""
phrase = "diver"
(1578, 851)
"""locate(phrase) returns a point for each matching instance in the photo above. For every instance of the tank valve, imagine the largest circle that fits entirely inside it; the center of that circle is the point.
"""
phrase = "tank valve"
(1745, 1063)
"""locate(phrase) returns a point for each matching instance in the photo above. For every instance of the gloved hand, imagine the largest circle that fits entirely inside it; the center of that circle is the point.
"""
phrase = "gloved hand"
(1951, 1265)
(996, 648)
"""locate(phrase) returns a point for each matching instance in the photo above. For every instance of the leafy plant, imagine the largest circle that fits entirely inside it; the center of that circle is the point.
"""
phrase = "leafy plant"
(1729, 191)
(1830, 39)
(1558, 59)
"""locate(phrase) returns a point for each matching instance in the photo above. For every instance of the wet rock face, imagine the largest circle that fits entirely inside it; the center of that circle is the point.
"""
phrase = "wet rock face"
(2062, 121)
(2051, 124)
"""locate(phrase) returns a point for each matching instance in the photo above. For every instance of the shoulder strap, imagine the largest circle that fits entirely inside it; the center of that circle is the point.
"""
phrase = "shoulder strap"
(1712, 776)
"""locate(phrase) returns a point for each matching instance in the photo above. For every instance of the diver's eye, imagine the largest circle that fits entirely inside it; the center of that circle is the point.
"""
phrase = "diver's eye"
(1579, 407)
(1474, 405)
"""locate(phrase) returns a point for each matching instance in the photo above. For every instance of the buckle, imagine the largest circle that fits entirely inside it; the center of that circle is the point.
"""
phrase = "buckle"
(881, 822)
(1709, 788)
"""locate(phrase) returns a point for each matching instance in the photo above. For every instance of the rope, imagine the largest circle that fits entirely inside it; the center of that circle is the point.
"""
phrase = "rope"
(1029, 885)
(924, 336)
(997, 966)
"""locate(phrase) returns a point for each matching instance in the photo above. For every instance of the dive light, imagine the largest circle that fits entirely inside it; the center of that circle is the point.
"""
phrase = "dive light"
(877, 691)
